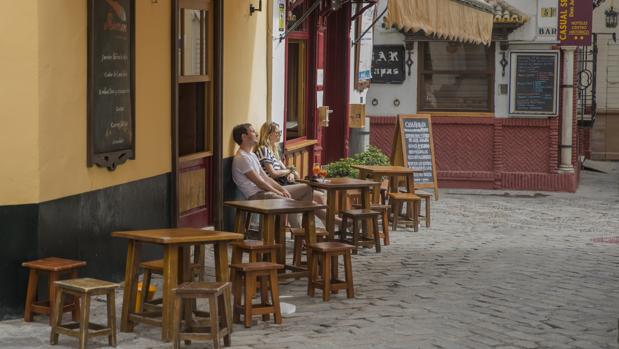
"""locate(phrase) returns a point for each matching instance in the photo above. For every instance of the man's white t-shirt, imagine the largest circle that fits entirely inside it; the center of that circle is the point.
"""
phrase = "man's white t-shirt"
(242, 163)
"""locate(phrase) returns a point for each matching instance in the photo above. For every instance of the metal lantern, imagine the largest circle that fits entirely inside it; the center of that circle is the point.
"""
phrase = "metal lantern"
(611, 18)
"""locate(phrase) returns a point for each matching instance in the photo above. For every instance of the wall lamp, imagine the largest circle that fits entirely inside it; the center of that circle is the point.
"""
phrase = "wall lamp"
(253, 9)
(611, 18)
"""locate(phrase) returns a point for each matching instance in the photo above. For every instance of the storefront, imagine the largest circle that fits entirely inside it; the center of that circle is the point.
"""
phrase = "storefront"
(464, 76)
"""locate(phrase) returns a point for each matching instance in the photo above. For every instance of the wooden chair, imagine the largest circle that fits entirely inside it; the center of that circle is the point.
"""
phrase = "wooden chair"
(218, 324)
(84, 288)
(245, 278)
(396, 200)
(384, 213)
(358, 216)
(427, 197)
(55, 267)
(298, 236)
(327, 254)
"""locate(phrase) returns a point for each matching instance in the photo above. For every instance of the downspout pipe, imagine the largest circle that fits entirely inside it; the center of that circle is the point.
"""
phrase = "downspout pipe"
(567, 110)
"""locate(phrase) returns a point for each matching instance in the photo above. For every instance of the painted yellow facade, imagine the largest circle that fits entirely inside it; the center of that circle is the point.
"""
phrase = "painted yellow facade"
(44, 92)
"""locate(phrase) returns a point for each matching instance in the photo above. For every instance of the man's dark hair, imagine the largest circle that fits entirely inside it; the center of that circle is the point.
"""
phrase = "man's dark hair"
(238, 131)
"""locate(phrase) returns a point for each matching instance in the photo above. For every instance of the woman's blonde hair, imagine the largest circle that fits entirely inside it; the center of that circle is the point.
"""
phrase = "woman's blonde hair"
(265, 133)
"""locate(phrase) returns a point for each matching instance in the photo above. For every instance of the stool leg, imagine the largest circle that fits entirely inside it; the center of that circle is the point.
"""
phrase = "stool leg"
(176, 322)
(296, 251)
(350, 290)
(355, 234)
(212, 300)
(75, 313)
(343, 228)
(111, 317)
(376, 234)
(326, 277)
(56, 316)
(386, 241)
(237, 282)
(33, 279)
(250, 290)
(145, 286)
(253, 256)
(428, 211)
(312, 265)
(224, 303)
(416, 206)
(53, 277)
(396, 213)
(264, 294)
(277, 313)
(85, 316)
(334, 272)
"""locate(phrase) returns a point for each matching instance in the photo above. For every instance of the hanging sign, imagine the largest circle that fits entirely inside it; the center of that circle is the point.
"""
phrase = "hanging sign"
(388, 64)
(111, 92)
(575, 22)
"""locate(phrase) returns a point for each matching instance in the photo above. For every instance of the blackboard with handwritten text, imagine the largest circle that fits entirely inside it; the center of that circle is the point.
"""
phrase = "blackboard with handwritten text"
(111, 109)
(534, 83)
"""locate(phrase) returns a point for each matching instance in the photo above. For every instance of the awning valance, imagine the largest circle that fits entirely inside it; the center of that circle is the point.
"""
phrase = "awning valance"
(457, 20)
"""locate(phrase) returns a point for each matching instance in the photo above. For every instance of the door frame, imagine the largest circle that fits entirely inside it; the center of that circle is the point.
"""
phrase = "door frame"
(216, 178)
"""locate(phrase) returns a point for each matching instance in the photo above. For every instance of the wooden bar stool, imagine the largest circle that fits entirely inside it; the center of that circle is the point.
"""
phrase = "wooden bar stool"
(298, 236)
(245, 276)
(217, 325)
(55, 267)
(358, 216)
(327, 253)
(256, 249)
(427, 197)
(84, 288)
(396, 200)
(384, 212)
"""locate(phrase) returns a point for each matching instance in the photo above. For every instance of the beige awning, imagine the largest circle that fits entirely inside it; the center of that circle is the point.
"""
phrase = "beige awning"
(457, 20)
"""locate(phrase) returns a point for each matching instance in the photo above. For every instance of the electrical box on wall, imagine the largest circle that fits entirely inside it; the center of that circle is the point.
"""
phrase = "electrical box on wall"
(356, 115)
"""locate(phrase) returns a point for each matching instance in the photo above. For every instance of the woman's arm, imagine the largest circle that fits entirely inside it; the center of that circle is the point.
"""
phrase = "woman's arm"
(273, 173)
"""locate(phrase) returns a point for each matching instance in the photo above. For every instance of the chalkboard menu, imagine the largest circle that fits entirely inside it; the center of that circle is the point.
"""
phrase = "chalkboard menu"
(534, 83)
(414, 148)
(111, 81)
(388, 64)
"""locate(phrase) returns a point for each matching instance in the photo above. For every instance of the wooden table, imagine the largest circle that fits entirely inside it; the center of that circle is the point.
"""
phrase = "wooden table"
(393, 172)
(333, 185)
(176, 242)
(273, 211)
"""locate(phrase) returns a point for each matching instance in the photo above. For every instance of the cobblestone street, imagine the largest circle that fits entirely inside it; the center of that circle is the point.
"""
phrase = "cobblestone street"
(496, 270)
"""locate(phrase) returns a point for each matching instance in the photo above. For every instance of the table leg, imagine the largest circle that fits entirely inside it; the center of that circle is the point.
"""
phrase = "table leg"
(280, 238)
(309, 226)
(268, 234)
(331, 210)
(170, 281)
(222, 275)
(131, 285)
(366, 203)
(239, 222)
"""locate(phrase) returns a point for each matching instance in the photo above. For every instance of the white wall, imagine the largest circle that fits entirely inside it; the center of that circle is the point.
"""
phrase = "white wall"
(608, 61)
(277, 67)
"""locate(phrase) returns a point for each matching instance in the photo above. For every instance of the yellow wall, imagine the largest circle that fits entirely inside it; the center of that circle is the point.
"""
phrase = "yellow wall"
(245, 69)
(63, 92)
(18, 103)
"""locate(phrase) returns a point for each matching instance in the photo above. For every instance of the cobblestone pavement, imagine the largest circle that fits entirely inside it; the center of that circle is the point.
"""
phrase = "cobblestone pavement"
(496, 270)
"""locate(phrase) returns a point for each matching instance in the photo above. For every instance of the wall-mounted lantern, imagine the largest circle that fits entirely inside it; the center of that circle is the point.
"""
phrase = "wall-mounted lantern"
(611, 18)
(253, 8)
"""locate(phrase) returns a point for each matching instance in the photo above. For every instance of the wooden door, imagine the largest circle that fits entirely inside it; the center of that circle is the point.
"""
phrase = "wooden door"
(194, 112)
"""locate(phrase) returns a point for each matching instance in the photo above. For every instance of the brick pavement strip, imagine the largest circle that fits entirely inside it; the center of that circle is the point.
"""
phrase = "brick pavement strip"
(496, 270)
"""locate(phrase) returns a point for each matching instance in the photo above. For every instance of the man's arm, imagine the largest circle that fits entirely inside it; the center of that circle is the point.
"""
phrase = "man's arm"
(266, 185)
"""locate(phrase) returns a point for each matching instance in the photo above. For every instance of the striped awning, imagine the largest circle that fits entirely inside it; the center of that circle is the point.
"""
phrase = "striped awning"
(458, 20)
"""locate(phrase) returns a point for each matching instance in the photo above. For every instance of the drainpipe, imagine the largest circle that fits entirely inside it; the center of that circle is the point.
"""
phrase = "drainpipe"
(567, 114)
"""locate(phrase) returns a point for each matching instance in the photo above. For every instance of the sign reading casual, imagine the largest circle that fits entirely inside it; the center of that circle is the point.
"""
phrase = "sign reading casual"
(414, 148)
(388, 64)
(547, 20)
(534, 83)
(575, 22)
(111, 116)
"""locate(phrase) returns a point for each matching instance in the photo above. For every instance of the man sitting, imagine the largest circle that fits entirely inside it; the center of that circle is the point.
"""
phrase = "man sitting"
(251, 179)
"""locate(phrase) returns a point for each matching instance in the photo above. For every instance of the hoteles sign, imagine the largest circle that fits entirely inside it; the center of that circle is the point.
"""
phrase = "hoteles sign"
(111, 82)
(575, 22)
(534, 83)
(388, 64)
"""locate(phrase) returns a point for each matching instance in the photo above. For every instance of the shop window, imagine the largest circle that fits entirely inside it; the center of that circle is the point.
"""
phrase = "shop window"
(456, 77)
(296, 119)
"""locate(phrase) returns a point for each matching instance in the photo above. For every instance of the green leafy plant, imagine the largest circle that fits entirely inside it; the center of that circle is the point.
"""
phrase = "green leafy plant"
(343, 167)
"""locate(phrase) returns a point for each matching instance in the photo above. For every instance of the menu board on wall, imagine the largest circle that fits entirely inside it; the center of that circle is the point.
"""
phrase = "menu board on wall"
(414, 148)
(388, 64)
(111, 109)
(534, 83)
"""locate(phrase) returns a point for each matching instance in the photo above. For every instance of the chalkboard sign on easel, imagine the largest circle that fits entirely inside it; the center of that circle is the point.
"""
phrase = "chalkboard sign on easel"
(111, 82)
(414, 148)
(534, 83)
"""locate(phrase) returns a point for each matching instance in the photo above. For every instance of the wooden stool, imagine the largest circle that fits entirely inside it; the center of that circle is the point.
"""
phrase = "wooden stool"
(217, 326)
(328, 252)
(256, 250)
(396, 200)
(244, 283)
(84, 288)
(156, 267)
(357, 216)
(298, 235)
(384, 211)
(427, 197)
(55, 267)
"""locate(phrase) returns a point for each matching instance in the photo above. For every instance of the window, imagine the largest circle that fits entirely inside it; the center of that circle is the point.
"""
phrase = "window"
(456, 77)
(296, 82)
